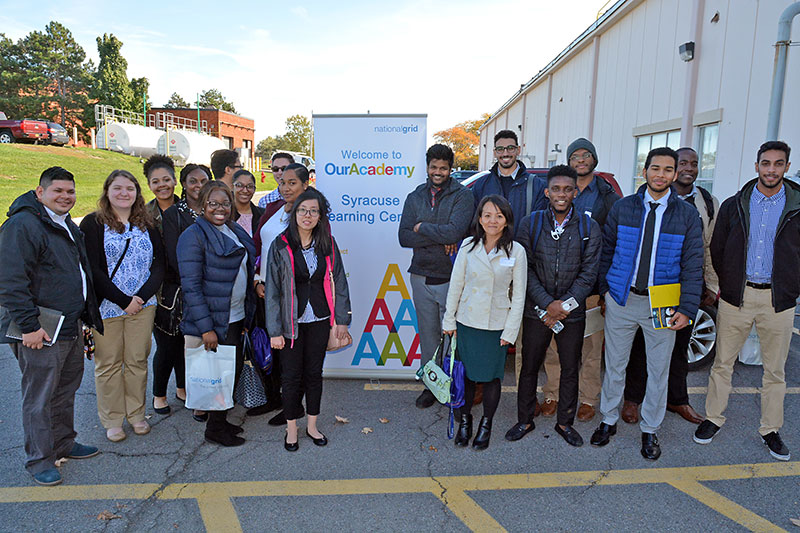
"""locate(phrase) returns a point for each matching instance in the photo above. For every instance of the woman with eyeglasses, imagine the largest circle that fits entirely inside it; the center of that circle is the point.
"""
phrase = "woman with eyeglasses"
(216, 259)
(127, 258)
(246, 213)
(293, 181)
(175, 220)
(307, 298)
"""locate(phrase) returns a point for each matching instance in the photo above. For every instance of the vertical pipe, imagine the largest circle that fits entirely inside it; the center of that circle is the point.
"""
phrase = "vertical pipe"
(198, 112)
(547, 118)
(690, 88)
(779, 74)
(593, 94)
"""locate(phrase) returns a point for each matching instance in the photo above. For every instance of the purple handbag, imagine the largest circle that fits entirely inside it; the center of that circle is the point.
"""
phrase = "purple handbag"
(262, 352)
(454, 369)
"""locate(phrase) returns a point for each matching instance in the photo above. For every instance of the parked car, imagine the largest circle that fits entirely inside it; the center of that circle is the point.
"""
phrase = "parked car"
(22, 130)
(57, 134)
(460, 175)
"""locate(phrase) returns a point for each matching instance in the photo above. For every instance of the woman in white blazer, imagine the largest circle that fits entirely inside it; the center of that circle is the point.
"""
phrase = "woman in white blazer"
(484, 309)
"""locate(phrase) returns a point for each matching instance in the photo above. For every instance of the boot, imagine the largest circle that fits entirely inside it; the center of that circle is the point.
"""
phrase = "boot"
(217, 430)
(481, 441)
(464, 430)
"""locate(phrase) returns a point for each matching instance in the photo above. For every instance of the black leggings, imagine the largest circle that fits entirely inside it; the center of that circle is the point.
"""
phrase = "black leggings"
(301, 369)
(491, 397)
(168, 356)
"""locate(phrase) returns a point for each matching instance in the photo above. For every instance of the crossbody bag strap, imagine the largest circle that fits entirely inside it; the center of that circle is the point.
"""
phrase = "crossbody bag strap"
(119, 263)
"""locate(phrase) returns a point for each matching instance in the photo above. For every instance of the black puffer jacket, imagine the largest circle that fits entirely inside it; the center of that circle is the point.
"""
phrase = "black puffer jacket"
(39, 265)
(556, 269)
(729, 248)
(445, 223)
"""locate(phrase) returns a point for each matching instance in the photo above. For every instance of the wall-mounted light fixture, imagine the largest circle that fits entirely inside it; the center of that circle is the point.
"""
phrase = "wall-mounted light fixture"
(556, 149)
(519, 127)
(686, 51)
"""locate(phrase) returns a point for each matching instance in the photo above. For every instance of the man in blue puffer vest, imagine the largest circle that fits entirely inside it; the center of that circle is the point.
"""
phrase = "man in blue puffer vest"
(650, 238)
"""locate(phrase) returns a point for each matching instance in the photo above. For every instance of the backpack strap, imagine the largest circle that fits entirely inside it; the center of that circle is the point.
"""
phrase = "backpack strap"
(529, 194)
(584, 231)
(709, 200)
(537, 221)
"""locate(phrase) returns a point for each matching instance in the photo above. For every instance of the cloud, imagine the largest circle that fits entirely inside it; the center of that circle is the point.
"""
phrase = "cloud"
(300, 11)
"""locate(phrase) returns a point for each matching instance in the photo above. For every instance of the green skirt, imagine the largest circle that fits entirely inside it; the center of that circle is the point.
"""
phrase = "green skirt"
(480, 352)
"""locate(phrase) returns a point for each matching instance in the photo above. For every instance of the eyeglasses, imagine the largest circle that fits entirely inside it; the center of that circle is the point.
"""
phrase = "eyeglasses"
(236, 166)
(509, 148)
(216, 205)
(248, 186)
(579, 157)
(303, 212)
(278, 169)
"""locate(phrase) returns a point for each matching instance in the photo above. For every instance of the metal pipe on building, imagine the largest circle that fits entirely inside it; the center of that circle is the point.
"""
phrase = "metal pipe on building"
(779, 74)
(690, 89)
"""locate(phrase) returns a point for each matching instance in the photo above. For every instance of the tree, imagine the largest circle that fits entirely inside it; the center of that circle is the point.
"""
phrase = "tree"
(176, 101)
(111, 80)
(139, 88)
(270, 145)
(464, 139)
(213, 98)
(298, 134)
(12, 79)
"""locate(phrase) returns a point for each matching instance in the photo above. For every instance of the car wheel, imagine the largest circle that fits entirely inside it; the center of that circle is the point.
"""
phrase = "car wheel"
(703, 344)
(6, 137)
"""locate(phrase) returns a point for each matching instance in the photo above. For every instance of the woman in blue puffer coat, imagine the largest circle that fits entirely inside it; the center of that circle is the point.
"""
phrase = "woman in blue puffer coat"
(216, 262)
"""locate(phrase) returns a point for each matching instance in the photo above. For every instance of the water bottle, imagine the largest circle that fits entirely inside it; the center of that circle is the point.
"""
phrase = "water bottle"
(557, 327)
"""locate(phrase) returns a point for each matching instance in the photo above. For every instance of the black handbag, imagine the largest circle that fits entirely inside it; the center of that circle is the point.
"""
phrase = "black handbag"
(169, 310)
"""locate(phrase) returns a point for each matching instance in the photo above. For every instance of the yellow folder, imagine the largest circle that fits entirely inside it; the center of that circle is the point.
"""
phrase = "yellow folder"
(664, 300)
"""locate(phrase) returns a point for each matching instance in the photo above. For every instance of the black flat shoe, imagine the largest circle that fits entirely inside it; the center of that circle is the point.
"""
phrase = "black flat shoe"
(464, 431)
(277, 420)
(162, 410)
(481, 441)
(569, 434)
(519, 430)
(200, 418)
(323, 441)
(650, 448)
(263, 409)
(223, 438)
(182, 400)
(293, 447)
(602, 435)
(233, 429)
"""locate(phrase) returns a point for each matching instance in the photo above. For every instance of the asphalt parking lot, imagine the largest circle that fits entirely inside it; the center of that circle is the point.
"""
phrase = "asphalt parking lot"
(405, 475)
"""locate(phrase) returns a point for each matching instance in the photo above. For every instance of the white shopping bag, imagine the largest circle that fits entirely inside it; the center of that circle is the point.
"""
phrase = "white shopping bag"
(209, 378)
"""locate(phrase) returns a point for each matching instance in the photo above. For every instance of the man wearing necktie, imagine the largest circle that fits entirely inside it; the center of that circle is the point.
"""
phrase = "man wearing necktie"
(650, 238)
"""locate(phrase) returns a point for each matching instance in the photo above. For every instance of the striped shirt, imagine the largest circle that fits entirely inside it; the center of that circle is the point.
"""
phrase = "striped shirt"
(765, 214)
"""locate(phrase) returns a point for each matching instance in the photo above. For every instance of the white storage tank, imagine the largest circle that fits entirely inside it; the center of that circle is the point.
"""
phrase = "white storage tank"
(189, 146)
(130, 139)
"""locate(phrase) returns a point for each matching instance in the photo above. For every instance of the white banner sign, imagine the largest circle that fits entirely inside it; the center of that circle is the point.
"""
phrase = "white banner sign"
(366, 166)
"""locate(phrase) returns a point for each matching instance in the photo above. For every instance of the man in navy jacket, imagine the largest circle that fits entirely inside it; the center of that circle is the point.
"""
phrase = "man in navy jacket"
(650, 238)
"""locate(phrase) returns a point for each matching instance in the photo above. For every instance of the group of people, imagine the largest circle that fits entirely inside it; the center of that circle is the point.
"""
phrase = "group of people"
(199, 270)
(533, 256)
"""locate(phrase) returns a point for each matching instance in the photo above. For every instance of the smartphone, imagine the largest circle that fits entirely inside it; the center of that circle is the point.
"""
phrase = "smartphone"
(569, 304)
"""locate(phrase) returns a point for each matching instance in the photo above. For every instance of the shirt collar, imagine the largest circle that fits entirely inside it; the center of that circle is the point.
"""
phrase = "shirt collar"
(661, 201)
(761, 197)
(690, 193)
(58, 219)
(592, 186)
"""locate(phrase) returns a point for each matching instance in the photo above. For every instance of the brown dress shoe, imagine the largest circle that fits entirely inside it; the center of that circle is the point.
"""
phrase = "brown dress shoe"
(585, 412)
(537, 408)
(686, 411)
(549, 408)
(478, 394)
(630, 412)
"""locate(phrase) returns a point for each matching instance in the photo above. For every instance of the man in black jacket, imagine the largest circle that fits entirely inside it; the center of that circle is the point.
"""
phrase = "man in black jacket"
(45, 264)
(563, 249)
(436, 216)
(755, 253)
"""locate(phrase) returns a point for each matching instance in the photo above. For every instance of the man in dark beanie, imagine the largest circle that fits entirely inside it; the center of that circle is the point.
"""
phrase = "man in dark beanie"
(595, 198)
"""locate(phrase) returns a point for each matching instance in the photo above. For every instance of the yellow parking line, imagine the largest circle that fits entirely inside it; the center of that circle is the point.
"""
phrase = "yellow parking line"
(725, 507)
(218, 514)
(468, 511)
(513, 388)
(79, 492)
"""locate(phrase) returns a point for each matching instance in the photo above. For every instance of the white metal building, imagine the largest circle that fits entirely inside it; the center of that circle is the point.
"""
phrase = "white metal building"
(623, 85)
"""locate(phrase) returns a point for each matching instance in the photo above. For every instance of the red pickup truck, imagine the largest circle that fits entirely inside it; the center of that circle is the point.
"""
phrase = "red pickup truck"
(22, 130)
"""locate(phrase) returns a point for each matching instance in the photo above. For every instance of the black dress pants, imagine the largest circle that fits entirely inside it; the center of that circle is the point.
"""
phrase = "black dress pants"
(535, 340)
(636, 374)
(301, 369)
(168, 357)
(216, 419)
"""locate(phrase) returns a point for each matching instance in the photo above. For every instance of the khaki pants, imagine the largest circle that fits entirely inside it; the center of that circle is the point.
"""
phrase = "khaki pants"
(590, 377)
(120, 367)
(774, 333)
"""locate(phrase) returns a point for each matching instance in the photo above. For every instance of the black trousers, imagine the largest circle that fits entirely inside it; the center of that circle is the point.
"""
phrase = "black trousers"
(216, 419)
(168, 357)
(535, 340)
(636, 374)
(301, 369)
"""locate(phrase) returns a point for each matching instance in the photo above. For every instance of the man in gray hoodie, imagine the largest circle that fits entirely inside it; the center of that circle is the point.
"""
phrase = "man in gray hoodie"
(436, 216)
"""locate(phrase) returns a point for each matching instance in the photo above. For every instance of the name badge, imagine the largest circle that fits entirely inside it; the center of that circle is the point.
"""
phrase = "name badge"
(507, 261)
(588, 213)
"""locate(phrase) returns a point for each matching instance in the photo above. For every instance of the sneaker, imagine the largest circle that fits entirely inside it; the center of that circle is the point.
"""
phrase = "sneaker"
(82, 451)
(777, 448)
(426, 399)
(705, 432)
(49, 477)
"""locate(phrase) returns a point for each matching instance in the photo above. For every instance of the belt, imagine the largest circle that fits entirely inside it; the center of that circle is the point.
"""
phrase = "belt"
(642, 292)
(759, 285)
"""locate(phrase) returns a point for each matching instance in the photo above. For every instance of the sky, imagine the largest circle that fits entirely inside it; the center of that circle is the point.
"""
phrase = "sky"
(452, 60)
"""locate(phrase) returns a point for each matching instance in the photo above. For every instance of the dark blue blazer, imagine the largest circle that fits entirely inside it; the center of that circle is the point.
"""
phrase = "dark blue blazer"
(209, 261)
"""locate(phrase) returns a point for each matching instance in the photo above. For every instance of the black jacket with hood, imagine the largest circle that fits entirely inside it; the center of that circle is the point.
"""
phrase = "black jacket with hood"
(39, 265)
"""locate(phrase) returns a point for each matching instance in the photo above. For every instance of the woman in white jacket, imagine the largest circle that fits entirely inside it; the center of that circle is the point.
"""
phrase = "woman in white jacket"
(484, 308)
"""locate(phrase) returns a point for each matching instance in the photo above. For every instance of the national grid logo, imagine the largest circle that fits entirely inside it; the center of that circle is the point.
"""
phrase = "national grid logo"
(397, 129)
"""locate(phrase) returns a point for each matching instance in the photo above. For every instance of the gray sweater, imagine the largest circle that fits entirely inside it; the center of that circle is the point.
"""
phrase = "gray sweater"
(447, 222)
